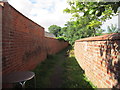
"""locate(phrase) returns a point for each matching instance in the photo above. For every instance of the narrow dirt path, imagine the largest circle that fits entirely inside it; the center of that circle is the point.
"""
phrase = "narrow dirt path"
(59, 71)
(56, 77)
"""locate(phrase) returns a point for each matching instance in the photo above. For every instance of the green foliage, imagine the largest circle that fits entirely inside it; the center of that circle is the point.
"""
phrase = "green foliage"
(99, 32)
(87, 17)
(60, 38)
(54, 29)
(80, 28)
(74, 76)
(43, 72)
(112, 29)
(92, 8)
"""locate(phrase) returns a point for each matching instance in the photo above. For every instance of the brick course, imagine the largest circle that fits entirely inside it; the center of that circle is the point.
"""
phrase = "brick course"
(0, 45)
(23, 41)
(99, 57)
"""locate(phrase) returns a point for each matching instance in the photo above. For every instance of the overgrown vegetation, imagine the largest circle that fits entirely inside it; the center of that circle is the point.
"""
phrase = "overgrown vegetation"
(87, 18)
(72, 76)
(60, 38)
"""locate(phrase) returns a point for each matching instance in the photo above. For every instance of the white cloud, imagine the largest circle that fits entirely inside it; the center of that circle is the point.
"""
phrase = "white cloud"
(43, 12)
(48, 12)
(24, 6)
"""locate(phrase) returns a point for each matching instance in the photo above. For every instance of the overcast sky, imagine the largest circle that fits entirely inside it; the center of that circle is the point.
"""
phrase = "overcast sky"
(47, 12)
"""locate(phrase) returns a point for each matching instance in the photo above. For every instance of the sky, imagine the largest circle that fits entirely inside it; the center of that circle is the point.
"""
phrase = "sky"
(43, 12)
(48, 12)
(113, 21)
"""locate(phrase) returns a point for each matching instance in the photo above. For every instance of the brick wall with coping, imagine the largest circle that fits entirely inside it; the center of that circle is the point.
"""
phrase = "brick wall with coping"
(100, 59)
(23, 41)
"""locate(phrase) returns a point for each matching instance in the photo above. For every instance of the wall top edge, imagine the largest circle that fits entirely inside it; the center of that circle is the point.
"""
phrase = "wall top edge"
(114, 36)
(2, 3)
(6, 3)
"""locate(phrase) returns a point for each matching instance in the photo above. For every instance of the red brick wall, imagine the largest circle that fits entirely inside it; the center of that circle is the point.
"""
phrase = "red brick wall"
(52, 43)
(24, 44)
(100, 58)
(0, 46)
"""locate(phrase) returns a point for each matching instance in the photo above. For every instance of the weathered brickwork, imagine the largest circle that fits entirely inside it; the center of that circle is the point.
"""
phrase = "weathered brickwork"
(51, 43)
(23, 41)
(0, 46)
(100, 58)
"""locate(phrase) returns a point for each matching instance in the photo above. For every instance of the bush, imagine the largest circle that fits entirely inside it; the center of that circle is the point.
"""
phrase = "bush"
(60, 38)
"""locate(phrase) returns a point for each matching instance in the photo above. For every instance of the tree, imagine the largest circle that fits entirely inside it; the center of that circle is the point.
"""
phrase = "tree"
(103, 9)
(87, 17)
(54, 29)
(74, 30)
(96, 12)
(112, 29)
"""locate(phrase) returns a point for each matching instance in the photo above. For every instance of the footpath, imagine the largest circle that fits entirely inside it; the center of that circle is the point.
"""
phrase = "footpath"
(60, 71)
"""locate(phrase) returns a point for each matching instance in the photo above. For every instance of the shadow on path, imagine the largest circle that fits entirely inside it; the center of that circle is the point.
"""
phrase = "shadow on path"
(59, 71)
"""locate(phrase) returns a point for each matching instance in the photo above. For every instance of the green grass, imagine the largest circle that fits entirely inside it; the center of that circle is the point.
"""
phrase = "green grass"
(43, 72)
(73, 75)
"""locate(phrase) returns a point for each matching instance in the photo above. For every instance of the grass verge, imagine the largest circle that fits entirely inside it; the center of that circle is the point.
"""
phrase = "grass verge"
(73, 76)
